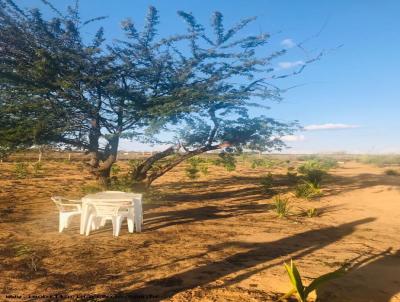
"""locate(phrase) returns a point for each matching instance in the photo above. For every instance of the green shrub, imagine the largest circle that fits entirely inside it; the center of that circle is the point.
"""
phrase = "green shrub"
(115, 169)
(267, 183)
(204, 169)
(392, 172)
(313, 171)
(262, 162)
(226, 160)
(192, 172)
(302, 291)
(134, 163)
(380, 160)
(37, 169)
(196, 164)
(307, 190)
(122, 183)
(282, 206)
(313, 212)
(21, 170)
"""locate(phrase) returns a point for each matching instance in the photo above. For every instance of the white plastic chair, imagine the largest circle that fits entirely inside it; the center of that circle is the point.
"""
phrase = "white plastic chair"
(100, 213)
(67, 208)
(138, 210)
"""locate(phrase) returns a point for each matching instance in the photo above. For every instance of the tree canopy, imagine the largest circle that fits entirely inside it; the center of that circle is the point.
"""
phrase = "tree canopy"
(58, 87)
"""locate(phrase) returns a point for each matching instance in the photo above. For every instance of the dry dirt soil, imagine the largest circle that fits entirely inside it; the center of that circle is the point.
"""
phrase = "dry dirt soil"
(216, 238)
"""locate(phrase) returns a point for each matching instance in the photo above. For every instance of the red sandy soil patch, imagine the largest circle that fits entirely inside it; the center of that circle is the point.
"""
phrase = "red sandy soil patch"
(213, 239)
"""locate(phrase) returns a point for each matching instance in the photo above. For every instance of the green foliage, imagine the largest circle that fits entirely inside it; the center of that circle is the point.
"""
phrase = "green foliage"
(302, 292)
(392, 172)
(380, 160)
(115, 169)
(204, 169)
(122, 183)
(21, 170)
(267, 182)
(313, 172)
(37, 169)
(226, 160)
(262, 162)
(196, 165)
(307, 189)
(60, 86)
(282, 206)
(313, 212)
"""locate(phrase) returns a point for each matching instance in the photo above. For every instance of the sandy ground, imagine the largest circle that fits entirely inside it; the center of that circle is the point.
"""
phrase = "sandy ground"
(213, 239)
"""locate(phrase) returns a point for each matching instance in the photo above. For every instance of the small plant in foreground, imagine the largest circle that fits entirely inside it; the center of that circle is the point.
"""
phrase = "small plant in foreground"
(21, 170)
(313, 212)
(302, 291)
(307, 190)
(282, 206)
(392, 172)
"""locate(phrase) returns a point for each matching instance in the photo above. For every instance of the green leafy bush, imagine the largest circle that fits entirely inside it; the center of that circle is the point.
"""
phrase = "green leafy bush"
(282, 206)
(21, 170)
(122, 183)
(196, 165)
(115, 169)
(313, 212)
(307, 190)
(37, 169)
(299, 290)
(380, 160)
(313, 171)
(262, 162)
(226, 160)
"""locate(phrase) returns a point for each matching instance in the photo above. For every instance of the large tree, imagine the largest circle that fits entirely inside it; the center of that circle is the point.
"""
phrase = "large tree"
(92, 93)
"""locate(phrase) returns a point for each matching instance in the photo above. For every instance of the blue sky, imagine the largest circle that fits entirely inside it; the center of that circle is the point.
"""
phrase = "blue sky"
(349, 100)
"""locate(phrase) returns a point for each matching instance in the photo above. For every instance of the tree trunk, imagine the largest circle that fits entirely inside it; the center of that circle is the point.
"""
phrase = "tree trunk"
(144, 179)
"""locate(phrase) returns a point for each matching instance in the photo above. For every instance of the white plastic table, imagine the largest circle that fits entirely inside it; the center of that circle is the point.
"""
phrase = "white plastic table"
(111, 197)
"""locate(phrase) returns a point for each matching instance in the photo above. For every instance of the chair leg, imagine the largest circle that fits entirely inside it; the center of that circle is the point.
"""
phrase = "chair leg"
(61, 223)
(89, 224)
(114, 224)
(118, 221)
(130, 221)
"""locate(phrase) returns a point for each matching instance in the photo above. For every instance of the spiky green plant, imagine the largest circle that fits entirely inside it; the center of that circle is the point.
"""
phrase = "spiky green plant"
(307, 189)
(313, 212)
(299, 290)
(21, 170)
(282, 206)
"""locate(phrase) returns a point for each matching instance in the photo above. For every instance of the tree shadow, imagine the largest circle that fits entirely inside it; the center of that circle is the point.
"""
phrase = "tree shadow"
(374, 279)
(244, 263)
(170, 218)
(335, 184)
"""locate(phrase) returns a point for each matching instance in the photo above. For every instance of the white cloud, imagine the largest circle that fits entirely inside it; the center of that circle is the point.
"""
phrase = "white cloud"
(293, 138)
(288, 65)
(288, 43)
(330, 126)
